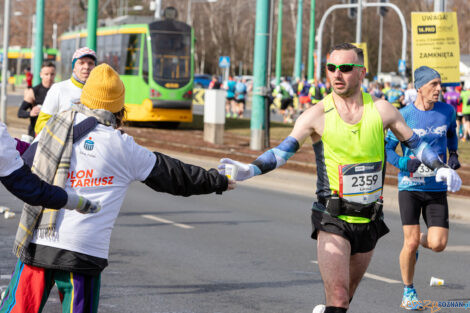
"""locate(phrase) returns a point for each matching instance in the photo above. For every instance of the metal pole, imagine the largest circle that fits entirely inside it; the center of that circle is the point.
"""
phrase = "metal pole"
(92, 21)
(268, 74)
(311, 42)
(188, 17)
(298, 41)
(279, 45)
(259, 72)
(379, 62)
(38, 43)
(6, 33)
(158, 9)
(54, 36)
(359, 21)
(439, 5)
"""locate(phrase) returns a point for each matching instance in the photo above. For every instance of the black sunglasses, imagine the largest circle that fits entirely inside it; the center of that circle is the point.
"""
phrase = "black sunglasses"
(343, 68)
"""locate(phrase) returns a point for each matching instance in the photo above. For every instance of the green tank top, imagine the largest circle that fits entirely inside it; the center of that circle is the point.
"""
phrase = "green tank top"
(465, 96)
(350, 158)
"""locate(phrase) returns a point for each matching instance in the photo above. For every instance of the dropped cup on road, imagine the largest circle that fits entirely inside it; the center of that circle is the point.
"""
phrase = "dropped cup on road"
(8, 215)
(436, 282)
(231, 171)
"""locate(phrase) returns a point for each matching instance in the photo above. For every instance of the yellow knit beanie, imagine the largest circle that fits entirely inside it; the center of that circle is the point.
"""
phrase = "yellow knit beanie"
(103, 89)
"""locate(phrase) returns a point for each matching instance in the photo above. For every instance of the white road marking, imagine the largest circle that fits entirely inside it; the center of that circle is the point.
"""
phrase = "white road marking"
(162, 220)
(5, 277)
(373, 276)
(458, 248)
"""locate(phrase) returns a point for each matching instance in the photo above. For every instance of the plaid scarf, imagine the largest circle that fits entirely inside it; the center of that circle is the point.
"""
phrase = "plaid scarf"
(51, 163)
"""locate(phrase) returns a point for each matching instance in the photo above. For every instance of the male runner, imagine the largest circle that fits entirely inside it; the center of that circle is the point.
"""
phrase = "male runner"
(34, 97)
(434, 123)
(60, 96)
(347, 129)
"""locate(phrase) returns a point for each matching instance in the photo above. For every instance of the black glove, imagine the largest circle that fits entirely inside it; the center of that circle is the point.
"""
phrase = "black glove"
(412, 165)
(453, 161)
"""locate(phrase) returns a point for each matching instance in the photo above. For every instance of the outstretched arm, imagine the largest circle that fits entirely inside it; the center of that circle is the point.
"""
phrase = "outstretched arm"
(278, 156)
(178, 178)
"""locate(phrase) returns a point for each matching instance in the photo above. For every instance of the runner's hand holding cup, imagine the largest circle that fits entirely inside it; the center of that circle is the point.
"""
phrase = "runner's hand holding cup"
(243, 171)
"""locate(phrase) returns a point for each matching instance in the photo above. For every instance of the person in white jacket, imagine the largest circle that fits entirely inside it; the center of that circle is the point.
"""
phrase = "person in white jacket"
(62, 94)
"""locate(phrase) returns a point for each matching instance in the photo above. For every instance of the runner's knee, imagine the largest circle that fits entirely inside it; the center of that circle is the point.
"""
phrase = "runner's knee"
(411, 244)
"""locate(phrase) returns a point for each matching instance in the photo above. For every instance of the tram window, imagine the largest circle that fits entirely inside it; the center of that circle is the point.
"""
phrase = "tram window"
(131, 44)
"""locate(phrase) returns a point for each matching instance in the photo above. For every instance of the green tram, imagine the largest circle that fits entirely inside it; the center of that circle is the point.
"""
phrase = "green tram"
(155, 61)
(19, 59)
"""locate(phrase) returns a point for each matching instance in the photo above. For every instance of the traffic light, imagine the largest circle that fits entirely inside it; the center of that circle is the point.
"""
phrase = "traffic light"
(383, 10)
(352, 12)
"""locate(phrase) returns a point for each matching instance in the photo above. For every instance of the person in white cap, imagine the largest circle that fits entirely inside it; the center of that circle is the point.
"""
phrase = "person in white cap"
(21, 182)
(60, 96)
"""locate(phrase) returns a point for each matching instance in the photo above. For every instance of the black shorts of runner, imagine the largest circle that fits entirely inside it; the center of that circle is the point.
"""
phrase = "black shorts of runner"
(362, 237)
(433, 206)
(467, 117)
(285, 103)
(230, 98)
(459, 117)
(240, 101)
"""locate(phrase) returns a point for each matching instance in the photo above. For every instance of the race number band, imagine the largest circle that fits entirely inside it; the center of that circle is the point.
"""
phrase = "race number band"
(423, 171)
(360, 182)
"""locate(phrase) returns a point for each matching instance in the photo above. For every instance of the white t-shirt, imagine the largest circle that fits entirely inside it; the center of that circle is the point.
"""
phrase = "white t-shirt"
(10, 159)
(60, 97)
(410, 96)
(103, 165)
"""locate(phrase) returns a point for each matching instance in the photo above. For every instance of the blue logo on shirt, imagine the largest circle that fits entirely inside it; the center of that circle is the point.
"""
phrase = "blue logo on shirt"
(89, 144)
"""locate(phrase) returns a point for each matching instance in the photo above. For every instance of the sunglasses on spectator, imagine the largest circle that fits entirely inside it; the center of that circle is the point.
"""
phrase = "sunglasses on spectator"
(343, 68)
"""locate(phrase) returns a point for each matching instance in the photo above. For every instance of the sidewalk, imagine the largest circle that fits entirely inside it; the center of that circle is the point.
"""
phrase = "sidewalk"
(294, 182)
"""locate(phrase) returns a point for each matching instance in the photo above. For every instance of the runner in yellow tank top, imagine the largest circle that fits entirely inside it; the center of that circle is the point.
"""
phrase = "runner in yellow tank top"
(347, 130)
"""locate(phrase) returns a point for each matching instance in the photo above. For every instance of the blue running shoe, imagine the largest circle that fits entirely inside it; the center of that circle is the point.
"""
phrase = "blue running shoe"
(410, 300)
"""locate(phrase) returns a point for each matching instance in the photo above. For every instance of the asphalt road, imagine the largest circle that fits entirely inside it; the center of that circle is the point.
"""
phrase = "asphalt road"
(246, 251)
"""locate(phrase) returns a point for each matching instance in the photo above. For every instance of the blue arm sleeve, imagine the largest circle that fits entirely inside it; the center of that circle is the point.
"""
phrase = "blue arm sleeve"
(424, 152)
(276, 157)
(452, 139)
(390, 146)
(31, 189)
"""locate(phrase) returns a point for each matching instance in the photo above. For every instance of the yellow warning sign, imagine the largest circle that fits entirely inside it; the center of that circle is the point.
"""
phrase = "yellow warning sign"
(435, 40)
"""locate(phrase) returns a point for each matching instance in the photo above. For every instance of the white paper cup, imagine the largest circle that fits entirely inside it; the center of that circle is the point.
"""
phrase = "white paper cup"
(9, 215)
(436, 282)
(231, 171)
(3, 209)
(27, 138)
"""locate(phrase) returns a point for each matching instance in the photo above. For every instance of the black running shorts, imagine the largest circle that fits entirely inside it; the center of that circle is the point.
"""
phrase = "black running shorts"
(433, 206)
(362, 237)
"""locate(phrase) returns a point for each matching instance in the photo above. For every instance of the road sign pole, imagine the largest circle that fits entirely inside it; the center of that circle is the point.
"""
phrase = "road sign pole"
(257, 124)
(359, 21)
(379, 62)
